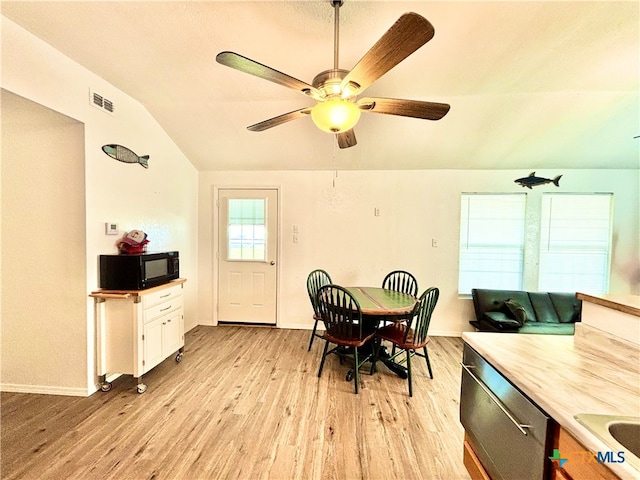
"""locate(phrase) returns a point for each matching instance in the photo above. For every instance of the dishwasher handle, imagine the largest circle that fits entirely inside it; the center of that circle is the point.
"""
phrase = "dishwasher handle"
(496, 400)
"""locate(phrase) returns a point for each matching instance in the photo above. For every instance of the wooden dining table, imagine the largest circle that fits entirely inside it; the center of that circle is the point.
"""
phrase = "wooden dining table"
(381, 304)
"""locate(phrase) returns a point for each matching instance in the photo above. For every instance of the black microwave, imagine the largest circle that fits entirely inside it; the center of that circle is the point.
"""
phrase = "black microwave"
(138, 271)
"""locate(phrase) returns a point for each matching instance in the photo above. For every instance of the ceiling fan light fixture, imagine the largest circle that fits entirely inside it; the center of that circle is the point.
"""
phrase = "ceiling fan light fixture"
(335, 115)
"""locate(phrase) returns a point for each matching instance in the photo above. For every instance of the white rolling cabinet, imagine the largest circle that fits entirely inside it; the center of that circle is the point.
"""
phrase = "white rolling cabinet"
(137, 330)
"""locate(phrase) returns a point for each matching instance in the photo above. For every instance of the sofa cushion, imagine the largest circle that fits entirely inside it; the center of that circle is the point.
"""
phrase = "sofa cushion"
(548, 328)
(543, 306)
(516, 311)
(568, 307)
(501, 321)
(486, 300)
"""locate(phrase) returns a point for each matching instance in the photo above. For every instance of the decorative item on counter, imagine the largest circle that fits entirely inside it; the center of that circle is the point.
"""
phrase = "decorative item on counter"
(134, 241)
(123, 154)
(533, 181)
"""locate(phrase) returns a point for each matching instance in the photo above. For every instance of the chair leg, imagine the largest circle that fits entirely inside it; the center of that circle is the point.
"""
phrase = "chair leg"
(313, 334)
(426, 357)
(356, 368)
(324, 355)
(409, 372)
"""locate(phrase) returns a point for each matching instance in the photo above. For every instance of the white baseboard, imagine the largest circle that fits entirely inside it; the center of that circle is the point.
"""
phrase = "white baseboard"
(306, 326)
(44, 390)
(435, 333)
(301, 326)
(445, 333)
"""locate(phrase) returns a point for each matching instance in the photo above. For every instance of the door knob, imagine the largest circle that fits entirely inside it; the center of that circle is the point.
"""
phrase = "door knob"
(273, 262)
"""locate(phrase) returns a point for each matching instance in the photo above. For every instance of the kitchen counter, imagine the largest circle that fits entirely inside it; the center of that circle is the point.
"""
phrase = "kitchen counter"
(590, 372)
(623, 303)
(616, 314)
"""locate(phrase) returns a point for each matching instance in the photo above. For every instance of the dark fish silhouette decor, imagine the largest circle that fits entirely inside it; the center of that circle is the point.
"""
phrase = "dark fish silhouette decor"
(123, 154)
(533, 181)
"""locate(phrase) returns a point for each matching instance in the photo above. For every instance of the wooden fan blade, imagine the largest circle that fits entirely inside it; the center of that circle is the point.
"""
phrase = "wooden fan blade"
(279, 120)
(405, 108)
(346, 139)
(409, 33)
(246, 65)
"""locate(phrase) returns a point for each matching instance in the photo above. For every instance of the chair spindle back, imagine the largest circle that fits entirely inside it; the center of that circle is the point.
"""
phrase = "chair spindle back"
(341, 313)
(316, 279)
(421, 317)
(401, 281)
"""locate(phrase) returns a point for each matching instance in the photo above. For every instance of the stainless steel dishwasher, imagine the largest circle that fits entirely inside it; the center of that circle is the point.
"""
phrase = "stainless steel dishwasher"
(509, 433)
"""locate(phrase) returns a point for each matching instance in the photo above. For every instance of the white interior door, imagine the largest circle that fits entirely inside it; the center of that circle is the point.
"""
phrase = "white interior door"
(247, 255)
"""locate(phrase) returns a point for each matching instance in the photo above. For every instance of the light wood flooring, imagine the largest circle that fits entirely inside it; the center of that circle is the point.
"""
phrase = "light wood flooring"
(245, 403)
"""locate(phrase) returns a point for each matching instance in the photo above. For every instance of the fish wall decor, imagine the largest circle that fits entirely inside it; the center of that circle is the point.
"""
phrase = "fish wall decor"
(533, 181)
(123, 154)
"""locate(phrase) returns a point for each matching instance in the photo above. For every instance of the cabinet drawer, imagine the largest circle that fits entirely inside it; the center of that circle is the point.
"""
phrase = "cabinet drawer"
(162, 309)
(161, 296)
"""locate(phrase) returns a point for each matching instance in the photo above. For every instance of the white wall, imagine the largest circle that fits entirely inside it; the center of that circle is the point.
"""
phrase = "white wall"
(162, 201)
(44, 254)
(339, 232)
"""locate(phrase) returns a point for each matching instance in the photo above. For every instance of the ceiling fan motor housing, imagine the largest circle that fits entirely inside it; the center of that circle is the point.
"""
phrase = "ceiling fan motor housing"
(329, 83)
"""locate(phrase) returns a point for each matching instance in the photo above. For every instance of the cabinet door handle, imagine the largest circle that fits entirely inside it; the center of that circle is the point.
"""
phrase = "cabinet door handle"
(164, 309)
(165, 295)
(496, 400)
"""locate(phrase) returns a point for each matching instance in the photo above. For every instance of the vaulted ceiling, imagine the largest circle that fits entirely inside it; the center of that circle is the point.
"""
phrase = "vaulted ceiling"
(534, 85)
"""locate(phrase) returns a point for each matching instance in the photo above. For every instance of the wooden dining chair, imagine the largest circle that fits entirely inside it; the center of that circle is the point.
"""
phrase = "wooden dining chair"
(316, 279)
(401, 281)
(344, 327)
(413, 335)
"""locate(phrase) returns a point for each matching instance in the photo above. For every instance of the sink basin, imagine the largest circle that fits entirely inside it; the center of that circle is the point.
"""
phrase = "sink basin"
(619, 433)
(627, 434)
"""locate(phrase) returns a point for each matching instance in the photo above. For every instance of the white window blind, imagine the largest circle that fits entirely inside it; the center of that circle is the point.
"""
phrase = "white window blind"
(491, 241)
(246, 229)
(575, 243)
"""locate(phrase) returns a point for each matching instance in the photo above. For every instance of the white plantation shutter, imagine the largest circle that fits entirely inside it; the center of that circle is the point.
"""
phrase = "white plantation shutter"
(575, 243)
(491, 241)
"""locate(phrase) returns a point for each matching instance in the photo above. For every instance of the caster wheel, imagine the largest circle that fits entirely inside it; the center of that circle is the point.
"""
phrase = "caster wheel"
(178, 357)
(349, 376)
(105, 387)
(142, 388)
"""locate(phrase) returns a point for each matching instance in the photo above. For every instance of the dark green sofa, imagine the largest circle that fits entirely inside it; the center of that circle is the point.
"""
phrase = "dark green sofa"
(517, 311)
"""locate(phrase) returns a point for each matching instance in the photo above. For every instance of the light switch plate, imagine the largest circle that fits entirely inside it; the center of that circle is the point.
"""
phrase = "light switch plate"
(111, 228)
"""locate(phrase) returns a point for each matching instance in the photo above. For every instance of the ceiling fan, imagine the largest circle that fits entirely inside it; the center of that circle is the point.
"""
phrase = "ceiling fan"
(336, 91)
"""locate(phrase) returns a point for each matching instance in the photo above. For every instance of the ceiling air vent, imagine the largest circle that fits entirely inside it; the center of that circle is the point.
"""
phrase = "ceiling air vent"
(100, 102)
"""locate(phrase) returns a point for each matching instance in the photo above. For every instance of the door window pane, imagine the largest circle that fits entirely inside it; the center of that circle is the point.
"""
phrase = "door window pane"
(246, 229)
